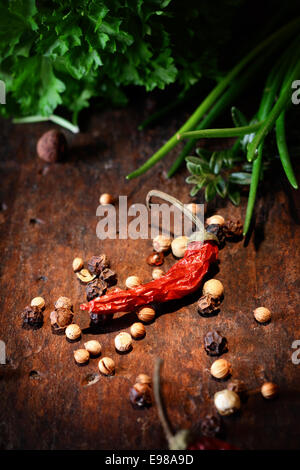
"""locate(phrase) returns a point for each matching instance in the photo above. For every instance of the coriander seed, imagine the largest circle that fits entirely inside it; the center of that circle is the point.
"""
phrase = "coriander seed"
(93, 347)
(227, 402)
(73, 332)
(215, 219)
(220, 369)
(213, 287)
(269, 390)
(262, 314)
(179, 246)
(132, 282)
(157, 273)
(106, 366)
(38, 302)
(105, 199)
(81, 356)
(77, 264)
(146, 314)
(137, 330)
(143, 379)
(161, 244)
(123, 342)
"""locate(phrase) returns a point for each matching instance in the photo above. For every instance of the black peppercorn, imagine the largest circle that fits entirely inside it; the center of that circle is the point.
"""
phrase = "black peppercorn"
(215, 344)
(140, 395)
(95, 289)
(210, 426)
(217, 230)
(97, 263)
(208, 304)
(99, 320)
(108, 276)
(32, 317)
(233, 230)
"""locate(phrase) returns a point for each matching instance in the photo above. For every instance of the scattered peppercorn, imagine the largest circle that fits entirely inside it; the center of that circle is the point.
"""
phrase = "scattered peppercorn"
(106, 366)
(38, 302)
(51, 146)
(215, 344)
(81, 356)
(93, 347)
(161, 243)
(227, 402)
(97, 263)
(208, 305)
(63, 302)
(233, 230)
(157, 273)
(217, 230)
(123, 342)
(269, 390)
(132, 282)
(32, 317)
(105, 199)
(155, 259)
(77, 264)
(220, 369)
(60, 318)
(210, 426)
(73, 332)
(98, 321)
(215, 220)
(213, 287)
(137, 330)
(179, 246)
(146, 314)
(95, 289)
(262, 314)
(108, 276)
(140, 395)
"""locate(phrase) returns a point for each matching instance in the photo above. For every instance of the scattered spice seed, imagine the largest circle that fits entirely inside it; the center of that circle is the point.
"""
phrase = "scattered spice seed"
(123, 342)
(100, 320)
(157, 273)
(269, 390)
(108, 276)
(143, 379)
(93, 347)
(233, 230)
(105, 199)
(262, 314)
(95, 289)
(220, 369)
(106, 366)
(227, 402)
(97, 263)
(85, 276)
(81, 356)
(215, 220)
(64, 302)
(140, 395)
(213, 287)
(155, 259)
(218, 231)
(51, 146)
(73, 332)
(137, 330)
(161, 244)
(146, 314)
(60, 318)
(38, 302)
(77, 264)
(32, 317)
(215, 344)
(208, 305)
(179, 246)
(132, 282)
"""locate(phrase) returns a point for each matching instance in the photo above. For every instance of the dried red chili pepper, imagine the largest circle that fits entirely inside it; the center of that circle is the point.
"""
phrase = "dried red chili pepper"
(182, 279)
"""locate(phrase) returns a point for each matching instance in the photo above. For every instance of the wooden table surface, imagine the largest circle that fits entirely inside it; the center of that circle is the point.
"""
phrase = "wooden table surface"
(45, 400)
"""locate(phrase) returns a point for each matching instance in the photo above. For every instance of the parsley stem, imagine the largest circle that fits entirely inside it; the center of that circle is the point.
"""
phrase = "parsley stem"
(213, 96)
(53, 118)
(227, 132)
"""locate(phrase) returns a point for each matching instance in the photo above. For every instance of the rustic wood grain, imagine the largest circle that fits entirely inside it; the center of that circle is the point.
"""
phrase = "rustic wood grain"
(45, 401)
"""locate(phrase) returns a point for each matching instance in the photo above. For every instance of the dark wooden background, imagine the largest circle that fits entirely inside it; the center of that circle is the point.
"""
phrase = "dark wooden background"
(45, 401)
